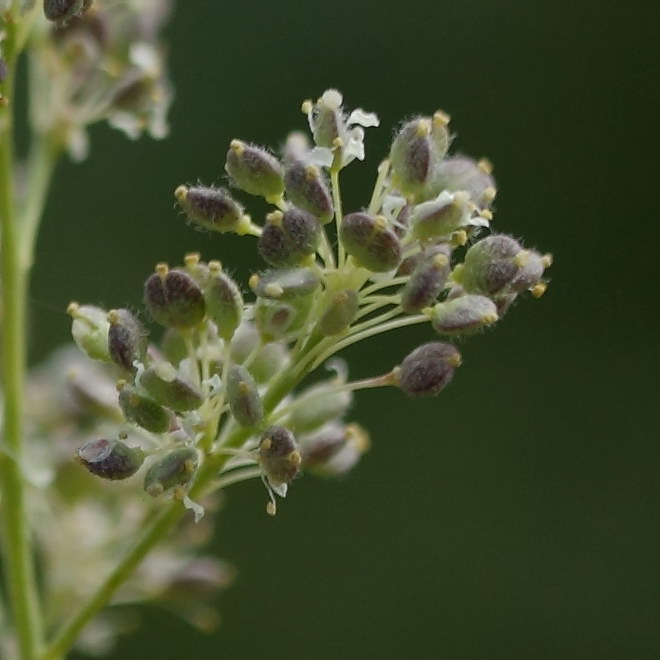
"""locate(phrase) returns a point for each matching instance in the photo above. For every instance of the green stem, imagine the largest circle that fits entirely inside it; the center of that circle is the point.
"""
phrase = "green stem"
(17, 542)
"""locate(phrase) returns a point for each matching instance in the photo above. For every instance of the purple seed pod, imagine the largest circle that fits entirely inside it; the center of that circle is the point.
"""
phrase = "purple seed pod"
(428, 369)
(462, 173)
(285, 283)
(427, 280)
(308, 189)
(61, 11)
(289, 238)
(490, 265)
(254, 170)
(173, 298)
(279, 456)
(224, 302)
(127, 339)
(243, 397)
(110, 459)
(339, 313)
(143, 410)
(212, 208)
(176, 468)
(463, 315)
(439, 217)
(163, 383)
(531, 266)
(412, 156)
(371, 242)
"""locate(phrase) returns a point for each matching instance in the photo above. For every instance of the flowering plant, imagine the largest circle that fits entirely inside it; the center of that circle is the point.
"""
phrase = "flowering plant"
(228, 392)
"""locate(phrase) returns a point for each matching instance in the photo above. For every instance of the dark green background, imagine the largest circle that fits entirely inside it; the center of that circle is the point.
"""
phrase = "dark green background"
(517, 515)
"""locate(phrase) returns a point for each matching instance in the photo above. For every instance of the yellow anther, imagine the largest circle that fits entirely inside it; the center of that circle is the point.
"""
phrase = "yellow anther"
(489, 195)
(192, 259)
(307, 106)
(237, 146)
(441, 118)
(546, 260)
(113, 316)
(72, 309)
(215, 267)
(162, 270)
(423, 127)
(181, 193)
(485, 166)
(271, 508)
(273, 290)
(539, 289)
(253, 281)
(275, 218)
(459, 238)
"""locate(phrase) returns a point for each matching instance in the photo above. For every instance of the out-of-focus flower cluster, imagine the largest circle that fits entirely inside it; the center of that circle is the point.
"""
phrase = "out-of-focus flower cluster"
(83, 524)
(95, 61)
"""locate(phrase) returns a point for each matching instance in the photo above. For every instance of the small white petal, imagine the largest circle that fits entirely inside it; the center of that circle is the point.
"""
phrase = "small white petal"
(354, 147)
(320, 156)
(331, 99)
(195, 507)
(392, 205)
(127, 123)
(77, 144)
(280, 489)
(146, 57)
(362, 118)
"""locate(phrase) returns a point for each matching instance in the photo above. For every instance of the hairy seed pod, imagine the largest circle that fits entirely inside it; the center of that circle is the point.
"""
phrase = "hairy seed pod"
(463, 315)
(285, 284)
(90, 329)
(439, 217)
(212, 208)
(462, 173)
(307, 188)
(427, 279)
(279, 456)
(110, 459)
(176, 468)
(127, 338)
(318, 405)
(489, 265)
(289, 238)
(254, 170)
(371, 242)
(270, 360)
(339, 313)
(427, 370)
(224, 302)
(143, 410)
(173, 298)
(531, 266)
(243, 397)
(173, 346)
(164, 384)
(412, 156)
(61, 11)
(244, 341)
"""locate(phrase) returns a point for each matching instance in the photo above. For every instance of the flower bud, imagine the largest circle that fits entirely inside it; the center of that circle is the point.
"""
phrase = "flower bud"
(319, 447)
(325, 118)
(463, 315)
(462, 173)
(296, 147)
(163, 383)
(371, 242)
(412, 156)
(279, 457)
(254, 170)
(243, 342)
(173, 298)
(334, 450)
(427, 279)
(127, 339)
(307, 188)
(176, 468)
(318, 405)
(269, 361)
(289, 238)
(224, 302)
(90, 329)
(243, 397)
(339, 313)
(212, 208)
(60, 11)
(143, 410)
(110, 459)
(427, 370)
(285, 284)
(441, 216)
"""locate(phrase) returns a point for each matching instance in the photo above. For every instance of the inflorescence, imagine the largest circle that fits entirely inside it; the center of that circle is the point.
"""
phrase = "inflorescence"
(215, 400)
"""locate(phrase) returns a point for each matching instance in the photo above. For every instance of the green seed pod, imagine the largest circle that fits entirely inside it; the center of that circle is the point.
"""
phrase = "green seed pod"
(224, 302)
(427, 279)
(90, 329)
(439, 217)
(127, 339)
(462, 173)
(243, 397)
(279, 457)
(339, 314)
(427, 370)
(143, 410)
(173, 298)
(173, 346)
(270, 360)
(289, 238)
(412, 156)
(176, 468)
(371, 242)
(307, 188)
(110, 459)
(463, 315)
(61, 11)
(212, 208)
(318, 405)
(254, 170)
(285, 284)
(163, 383)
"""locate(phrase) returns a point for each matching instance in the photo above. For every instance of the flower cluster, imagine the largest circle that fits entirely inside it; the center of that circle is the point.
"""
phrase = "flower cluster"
(100, 61)
(216, 400)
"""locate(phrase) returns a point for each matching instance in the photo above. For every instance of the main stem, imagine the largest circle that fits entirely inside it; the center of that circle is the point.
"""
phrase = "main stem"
(17, 542)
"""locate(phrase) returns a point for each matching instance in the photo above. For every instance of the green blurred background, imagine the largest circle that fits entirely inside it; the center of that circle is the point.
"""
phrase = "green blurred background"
(517, 515)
